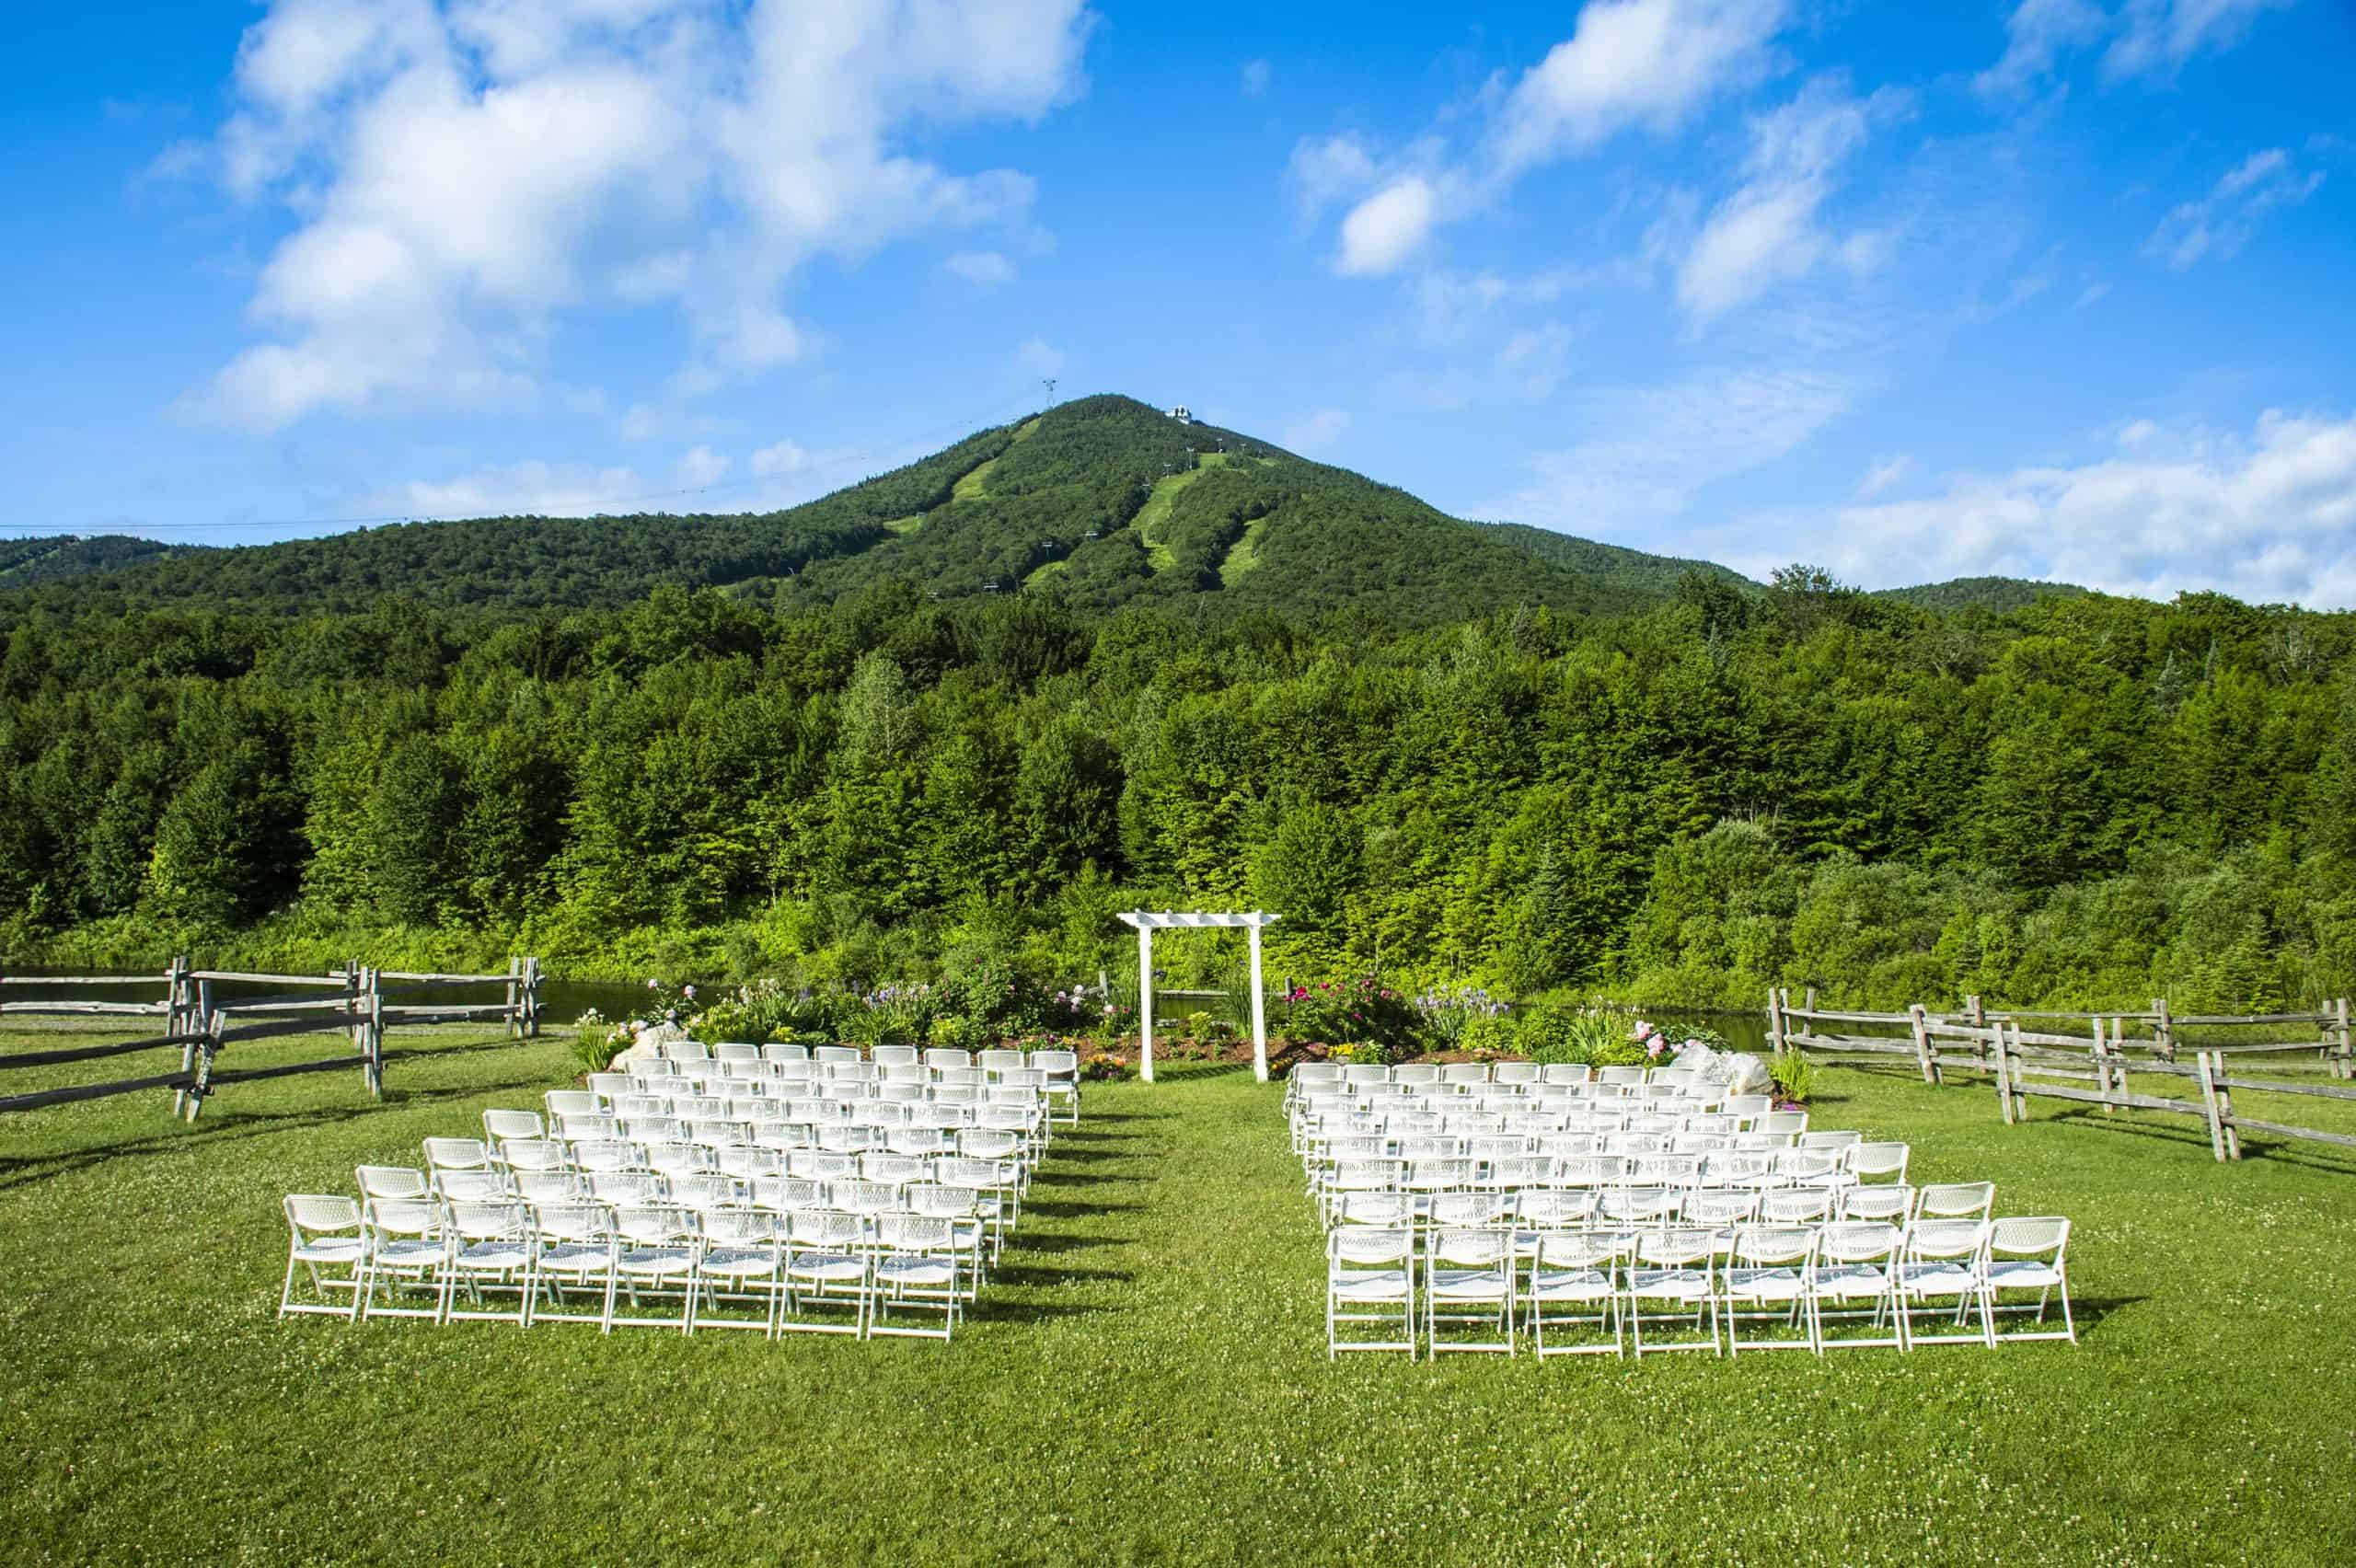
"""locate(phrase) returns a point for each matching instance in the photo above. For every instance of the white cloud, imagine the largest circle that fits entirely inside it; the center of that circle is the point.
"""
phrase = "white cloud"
(2036, 36)
(515, 489)
(1535, 360)
(2268, 517)
(1324, 170)
(1650, 450)
(2159, 36)
(1038, 358)
(785, 457)
(2221, 223)
(1767, 231)
(2093, 293)
(462, 176)
(1884, 474)
(641, 421)
(1633, 62)
(2148, 38)
(983, 269)
(1649, 65)
(1256, 78)
(1387, 228)
(698, 466)
(1317, 432)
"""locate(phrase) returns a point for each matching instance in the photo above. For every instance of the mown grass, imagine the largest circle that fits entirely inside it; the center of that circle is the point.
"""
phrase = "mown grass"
(1146, 1381)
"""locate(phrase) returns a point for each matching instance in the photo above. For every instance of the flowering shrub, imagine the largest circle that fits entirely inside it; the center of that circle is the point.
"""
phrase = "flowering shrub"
(1447, 1011)
(999, 1000)
(957, 1033)
(889, 1015)
(1102, 1067)
(1562, 1034)
(1795, 1075)
(1363, 1012)
(597, 1040)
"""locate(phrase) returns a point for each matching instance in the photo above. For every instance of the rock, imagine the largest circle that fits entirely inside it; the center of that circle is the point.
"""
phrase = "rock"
(1738, 1071)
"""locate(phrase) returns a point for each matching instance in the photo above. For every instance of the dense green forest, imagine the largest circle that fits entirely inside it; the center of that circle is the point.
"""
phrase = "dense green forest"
(1433, 750)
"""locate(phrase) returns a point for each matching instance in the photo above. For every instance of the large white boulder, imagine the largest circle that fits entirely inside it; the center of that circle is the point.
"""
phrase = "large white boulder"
(1739, 1072)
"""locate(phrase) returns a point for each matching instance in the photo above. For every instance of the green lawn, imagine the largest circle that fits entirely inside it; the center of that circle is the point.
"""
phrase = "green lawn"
(1147, 1378)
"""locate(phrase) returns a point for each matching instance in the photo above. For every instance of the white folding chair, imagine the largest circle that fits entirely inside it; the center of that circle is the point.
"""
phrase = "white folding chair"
(2030, 1254)
(405, 1246)
(1471, 1274)
(915, 1261)
(490, 1250)
(1766, 1280)
(655, 1256)
(1673, 1269)
(572, 1245)
(1575, 1283)
(826, 1265)
(1369, 1278)
(742, 1260)
(1946, 1259)
(327, 1242)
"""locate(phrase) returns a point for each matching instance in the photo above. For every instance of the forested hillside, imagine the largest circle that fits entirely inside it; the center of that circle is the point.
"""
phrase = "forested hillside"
(2085, 801)
(1104, 499)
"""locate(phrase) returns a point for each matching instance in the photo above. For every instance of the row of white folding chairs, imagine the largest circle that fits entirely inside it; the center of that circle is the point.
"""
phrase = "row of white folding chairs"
(1529, 1094)
(1542, 1117)
(1528, 1211)
(1314, 1075)
(831, 1072)
(1746, 1110)
(687, 1157)
(642, 1122)
(750, 1182)
(1326, 1145)
(1854, 1155)
(1681, 1172)
(615, 1091)
(1702, 1283)
(507, 1250)
(927, 1055)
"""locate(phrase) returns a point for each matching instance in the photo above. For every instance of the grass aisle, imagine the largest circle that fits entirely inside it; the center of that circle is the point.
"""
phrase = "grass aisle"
(1147, 1381)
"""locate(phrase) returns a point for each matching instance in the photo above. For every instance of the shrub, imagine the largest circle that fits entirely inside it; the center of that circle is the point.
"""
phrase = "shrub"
(1103, 1067)
(1360, 1012)
(1447, 1011)
(1489, 1034)
(595, 1041)
(957, 1031)
(1795, 1075)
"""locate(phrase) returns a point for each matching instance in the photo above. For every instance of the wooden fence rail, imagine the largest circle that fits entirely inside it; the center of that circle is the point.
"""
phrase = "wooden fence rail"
(2025, 1063)
(202, 1025)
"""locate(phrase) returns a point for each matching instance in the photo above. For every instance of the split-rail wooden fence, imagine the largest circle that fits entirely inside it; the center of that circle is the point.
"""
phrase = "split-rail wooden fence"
(2029, 1054)
(358, 1000)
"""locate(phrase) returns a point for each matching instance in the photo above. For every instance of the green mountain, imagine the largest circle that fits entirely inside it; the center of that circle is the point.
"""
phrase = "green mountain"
(1104, 499)
(1999, 594)
(53, 558)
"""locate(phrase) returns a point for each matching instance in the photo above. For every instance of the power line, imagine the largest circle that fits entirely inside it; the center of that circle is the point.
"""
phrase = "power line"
(34, 530)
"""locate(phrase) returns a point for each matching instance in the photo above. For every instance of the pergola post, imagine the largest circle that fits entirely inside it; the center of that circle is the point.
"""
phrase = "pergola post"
(1145, 1003)
(1259, 1013)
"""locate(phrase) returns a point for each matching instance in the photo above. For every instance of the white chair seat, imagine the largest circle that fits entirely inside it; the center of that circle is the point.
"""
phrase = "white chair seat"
(914, 1270)
(1468, 1285)
(331, 1250)
(1938, 1278)
(1669, 1284)
(656, 1262)
(493, 1257)
(1764, 1285)
(408, 1254)
(1378, 1284)
(739, 1262)
(575, 1258)
(1570, 1285)
(1845, 1280)
(2022, 1274)
(826, 1266)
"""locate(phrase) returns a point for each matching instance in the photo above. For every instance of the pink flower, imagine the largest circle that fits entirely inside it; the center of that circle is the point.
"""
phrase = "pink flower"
(652, 984)
(689, 992)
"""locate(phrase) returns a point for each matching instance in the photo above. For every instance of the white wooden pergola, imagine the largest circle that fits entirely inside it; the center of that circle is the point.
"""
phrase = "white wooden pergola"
(1146, 923)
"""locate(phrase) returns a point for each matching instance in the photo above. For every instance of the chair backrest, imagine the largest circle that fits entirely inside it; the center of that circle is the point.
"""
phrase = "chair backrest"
(947, 1056)
(1623, 1077)
(532, 1154)
(487, 1221)
(1870, 1159)
(314, 1214)
(1859, 1241)
(456, 1154)
(572, 1222)
(1565, 1073)
(1832, 1138)
(998, 1060)
(2030, 1236)
(573, 1102)
(618, 1188)
(896, 1056)
(1796, 1205)
(548, 1186)
(1057, 1064)
(1943, 1240)
(1780, 1124)
(401, 1217)
(701, 1192)
(389, 1182)
(745, 1227)
(653, 1224)
(1955, 1200)
(1677, 1249)
(470, 1186)
(785, 1194)
(785, 1053)
(825, 1227)
(833, 1054)
(1366, 1246)
(1774, 1246)
(1889, 1203)
(1462, 1248)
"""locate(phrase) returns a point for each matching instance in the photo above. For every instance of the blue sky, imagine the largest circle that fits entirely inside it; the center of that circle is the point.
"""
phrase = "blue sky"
(2055, 288)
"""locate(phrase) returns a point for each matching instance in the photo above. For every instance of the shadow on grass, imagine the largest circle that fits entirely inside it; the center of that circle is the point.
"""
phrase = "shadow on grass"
(1070, 1243)
(1094, 1117)
(232, 1126)
(1051, 1209)
(988, 1311)
(2192, 1132)
(1026, 1274)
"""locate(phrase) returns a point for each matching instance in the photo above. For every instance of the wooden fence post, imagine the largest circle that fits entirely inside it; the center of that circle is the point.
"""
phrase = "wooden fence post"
(2102, 1060)
(515, 999)
(1811, 1006)
(2218, 1100)
(181, 1018)
(1923, 1052)
(1774, 1022)
(373, 991)
(2346, 1059)
(208, 1048)
(2163, 1030)
(2004, 1075)
(532, 998)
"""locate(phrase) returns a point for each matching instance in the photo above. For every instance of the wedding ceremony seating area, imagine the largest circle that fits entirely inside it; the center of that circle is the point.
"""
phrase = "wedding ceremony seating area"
(778, 1188)
(1477, 1208)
